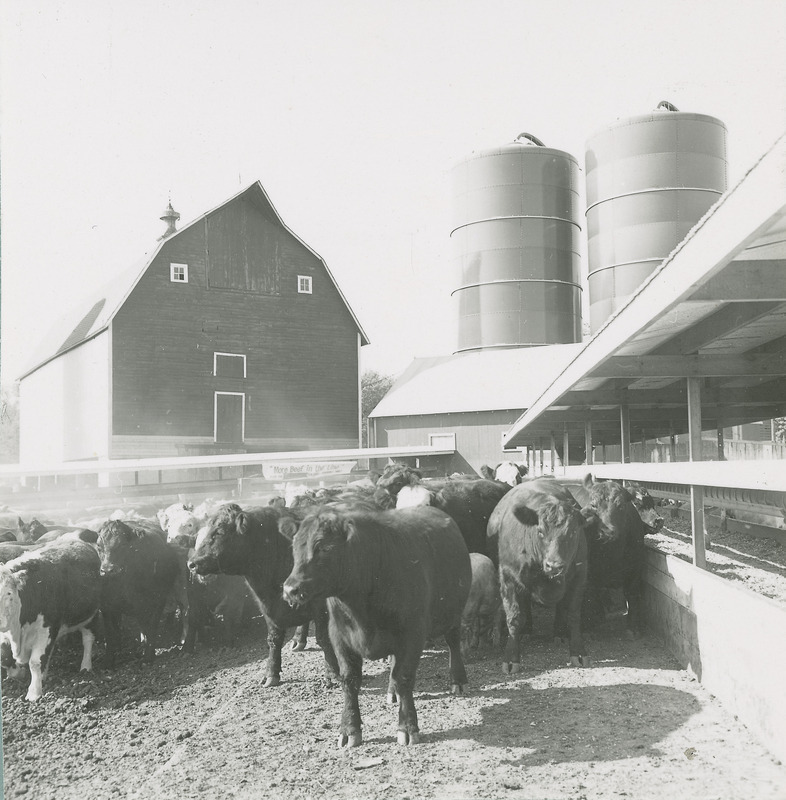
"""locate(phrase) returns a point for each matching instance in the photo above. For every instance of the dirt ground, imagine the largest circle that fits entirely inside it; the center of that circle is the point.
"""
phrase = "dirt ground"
(634, 725)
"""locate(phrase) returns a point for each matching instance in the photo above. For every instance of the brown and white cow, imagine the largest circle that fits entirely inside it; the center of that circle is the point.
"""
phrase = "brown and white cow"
(45, 594)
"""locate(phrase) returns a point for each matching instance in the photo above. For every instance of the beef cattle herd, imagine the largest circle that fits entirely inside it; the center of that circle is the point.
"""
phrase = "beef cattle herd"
(381, 567)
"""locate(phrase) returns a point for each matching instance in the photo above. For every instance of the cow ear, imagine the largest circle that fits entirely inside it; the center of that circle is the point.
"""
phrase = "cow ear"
(348, 528)
(287, 527)
(163, 519)
(588, 480)
(242, 524)
(591, 519)
(20, 523)
(525, 515)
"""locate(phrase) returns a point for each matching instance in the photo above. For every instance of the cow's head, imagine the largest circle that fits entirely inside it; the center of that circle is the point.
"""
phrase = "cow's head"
(645, 505)
(556, 530)
(232, 540)
(510, 473)
(178, 520)
(411, 496)
(30, 531)
(610, 511)
(318, 548)
(10, 603)
(117, 542)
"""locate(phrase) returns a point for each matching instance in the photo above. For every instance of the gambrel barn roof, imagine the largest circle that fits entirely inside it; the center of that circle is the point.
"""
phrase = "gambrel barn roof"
(100, 308)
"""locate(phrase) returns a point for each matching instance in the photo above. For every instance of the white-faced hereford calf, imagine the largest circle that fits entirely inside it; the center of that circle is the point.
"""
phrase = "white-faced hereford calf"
(249, 543)
(543, 556)
(392, 579)
(45, 594)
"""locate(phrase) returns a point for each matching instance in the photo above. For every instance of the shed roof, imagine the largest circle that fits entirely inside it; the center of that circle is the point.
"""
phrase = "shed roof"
(715, 309)
(102, 305)
(484, 380)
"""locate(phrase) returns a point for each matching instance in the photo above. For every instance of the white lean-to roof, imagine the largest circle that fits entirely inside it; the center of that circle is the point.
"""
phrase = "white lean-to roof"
(485, 380)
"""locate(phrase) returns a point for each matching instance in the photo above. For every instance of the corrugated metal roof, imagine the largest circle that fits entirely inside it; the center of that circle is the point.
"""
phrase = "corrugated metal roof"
(71, 331)
(484, 380)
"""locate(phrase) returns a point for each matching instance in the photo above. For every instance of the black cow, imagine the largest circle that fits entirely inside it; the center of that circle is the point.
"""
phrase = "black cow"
(539, 528)
(469, 502)
(44, 594)
(139, 570)
(392, 579)
(249, 543)
(615, 539)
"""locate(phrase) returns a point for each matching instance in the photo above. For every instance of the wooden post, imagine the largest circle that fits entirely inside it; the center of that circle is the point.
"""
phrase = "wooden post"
(553, 451)
(565, 447)
(603, 452)
(540, 445)
(721, 456)
(625, 433)
(694, 453)
(672, 446)
(588, 441)
(643, 446)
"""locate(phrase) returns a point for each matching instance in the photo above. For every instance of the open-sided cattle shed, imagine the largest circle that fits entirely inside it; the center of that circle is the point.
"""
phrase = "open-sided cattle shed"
(701, 344)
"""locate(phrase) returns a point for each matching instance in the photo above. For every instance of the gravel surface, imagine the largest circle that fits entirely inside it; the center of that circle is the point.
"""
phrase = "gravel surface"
(633, 725)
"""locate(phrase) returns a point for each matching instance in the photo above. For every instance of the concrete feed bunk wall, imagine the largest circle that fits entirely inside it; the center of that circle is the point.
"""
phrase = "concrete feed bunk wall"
(732, 639)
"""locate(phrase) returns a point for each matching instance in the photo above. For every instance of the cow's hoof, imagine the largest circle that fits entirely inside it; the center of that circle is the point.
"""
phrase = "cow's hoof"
(298, 645)
(350, 740)
(391, 698)
(457, 688)
(510, 667)
(580, 661)
(33, 698)
(271, 681)
(407, 738)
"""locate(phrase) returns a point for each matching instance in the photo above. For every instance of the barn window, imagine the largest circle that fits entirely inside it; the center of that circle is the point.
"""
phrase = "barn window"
(304, 284)
(445, 441)
(178, 273)
(229, 365)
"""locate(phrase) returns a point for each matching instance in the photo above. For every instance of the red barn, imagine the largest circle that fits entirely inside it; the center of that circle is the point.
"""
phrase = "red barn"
(231, 336)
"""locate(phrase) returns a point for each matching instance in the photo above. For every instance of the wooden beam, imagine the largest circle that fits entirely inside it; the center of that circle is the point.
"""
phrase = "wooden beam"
(690, 366)
(696, 492)
(565, 446)
(625, 433)
(746, 281)
(588, 441)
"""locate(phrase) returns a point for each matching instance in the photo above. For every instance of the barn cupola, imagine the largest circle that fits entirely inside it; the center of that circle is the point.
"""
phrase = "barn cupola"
(170, 216)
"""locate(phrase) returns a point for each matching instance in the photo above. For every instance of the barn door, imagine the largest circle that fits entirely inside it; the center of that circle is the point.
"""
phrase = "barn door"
(229, 417)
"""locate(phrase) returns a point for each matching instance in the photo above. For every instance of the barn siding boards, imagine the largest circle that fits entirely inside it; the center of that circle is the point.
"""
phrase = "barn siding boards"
(731, 638)
(478, 433)
(241, 297)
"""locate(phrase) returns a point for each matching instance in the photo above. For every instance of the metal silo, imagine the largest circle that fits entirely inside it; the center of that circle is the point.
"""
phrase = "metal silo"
(516, 247)
(650, 179)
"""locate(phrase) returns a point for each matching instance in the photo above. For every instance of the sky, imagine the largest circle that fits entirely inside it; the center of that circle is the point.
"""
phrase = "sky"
(350, 114)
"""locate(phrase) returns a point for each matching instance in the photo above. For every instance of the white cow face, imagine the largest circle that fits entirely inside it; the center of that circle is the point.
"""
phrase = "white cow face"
(10, 604)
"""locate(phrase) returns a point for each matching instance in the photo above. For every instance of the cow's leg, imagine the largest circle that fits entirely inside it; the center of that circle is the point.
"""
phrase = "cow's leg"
(42, 638)
(571, 605)
(150, 630)
(323, 640)
(402, 674)
(511, 603)
(112, 634)
(351, 667)
(88, 637)
(458, 675)
(275, 641)
(300, 639)
(392, 695)
(633, 597)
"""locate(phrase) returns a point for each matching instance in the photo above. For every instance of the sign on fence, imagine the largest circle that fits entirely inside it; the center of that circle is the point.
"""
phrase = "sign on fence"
(308, 469)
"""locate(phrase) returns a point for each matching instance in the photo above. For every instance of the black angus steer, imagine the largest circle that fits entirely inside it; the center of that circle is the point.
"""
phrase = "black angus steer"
(139, 570)
(615, 541)
(469, 502)
(249, 542)
(392, 579)
(539, 529)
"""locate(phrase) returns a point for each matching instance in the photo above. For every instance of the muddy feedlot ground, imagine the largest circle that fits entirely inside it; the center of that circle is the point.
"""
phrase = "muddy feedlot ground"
(634, 725)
